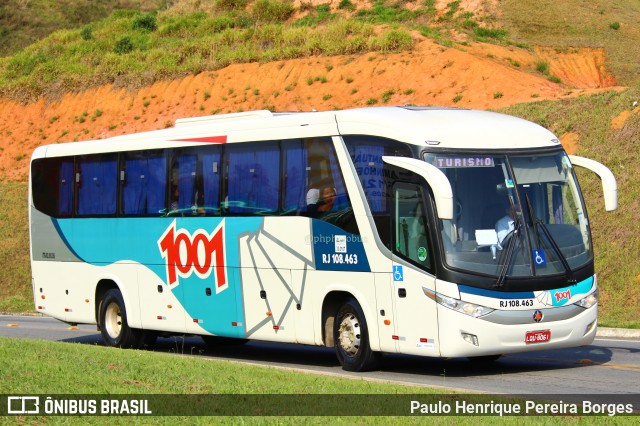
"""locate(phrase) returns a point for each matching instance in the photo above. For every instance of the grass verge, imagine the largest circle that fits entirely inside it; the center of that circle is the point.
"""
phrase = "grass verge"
(15, 275)
(52, 369)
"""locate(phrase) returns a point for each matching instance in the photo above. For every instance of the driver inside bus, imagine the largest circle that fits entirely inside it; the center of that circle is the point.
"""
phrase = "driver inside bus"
(320, 202)
(505, 226)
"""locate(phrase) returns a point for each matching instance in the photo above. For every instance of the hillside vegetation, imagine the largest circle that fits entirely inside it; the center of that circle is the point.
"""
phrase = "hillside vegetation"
(23, 22)
(550, 62)
(177, 38)
(570, 24)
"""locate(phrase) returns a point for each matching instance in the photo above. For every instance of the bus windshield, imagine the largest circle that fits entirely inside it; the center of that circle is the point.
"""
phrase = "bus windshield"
(514, 215)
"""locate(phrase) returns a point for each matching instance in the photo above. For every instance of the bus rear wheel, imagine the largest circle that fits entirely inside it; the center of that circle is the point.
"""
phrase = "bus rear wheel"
(351, 337)
(114, 327)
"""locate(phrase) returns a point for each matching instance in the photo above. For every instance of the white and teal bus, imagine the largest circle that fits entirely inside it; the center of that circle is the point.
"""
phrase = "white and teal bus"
(427, 231)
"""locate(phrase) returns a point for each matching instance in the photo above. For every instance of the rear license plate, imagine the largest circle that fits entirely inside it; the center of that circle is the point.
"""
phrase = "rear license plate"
(537, 336)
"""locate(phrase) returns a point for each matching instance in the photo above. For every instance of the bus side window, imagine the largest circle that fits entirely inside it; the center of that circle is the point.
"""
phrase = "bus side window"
(375, 176)
(409, 222)
(254, 178)
(183, 190)
(97, 184)
(52, 186)
(143, 180)
(211, 172)
(65, 188)
(326, 196)
(296, 177)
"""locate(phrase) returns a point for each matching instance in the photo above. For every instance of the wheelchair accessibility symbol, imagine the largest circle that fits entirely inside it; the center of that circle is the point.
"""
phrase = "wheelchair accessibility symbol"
(398, 274)
(539, 257)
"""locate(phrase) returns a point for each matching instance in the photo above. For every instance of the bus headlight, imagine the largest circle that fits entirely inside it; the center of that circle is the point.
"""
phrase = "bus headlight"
(461, 306)
(588, 301)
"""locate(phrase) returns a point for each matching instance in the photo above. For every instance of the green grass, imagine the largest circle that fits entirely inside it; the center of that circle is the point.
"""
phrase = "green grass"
(99, 43)
(135, 49)
(15, 276)
(51, 368)
(574, 23)
(25, 22)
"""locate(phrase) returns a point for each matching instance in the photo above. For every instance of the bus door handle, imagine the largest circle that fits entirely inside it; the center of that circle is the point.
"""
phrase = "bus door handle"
(402, 292)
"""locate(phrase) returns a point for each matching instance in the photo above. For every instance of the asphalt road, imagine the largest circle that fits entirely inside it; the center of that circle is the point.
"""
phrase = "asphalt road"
(608, 366)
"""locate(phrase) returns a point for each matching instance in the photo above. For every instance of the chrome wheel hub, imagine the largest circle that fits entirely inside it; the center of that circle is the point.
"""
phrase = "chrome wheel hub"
(113, 320)
(349, 334)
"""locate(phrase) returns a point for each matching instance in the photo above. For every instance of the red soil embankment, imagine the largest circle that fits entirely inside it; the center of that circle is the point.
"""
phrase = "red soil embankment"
(475, 76)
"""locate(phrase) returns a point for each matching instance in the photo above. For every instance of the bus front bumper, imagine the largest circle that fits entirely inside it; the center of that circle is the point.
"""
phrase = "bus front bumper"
(464, 336)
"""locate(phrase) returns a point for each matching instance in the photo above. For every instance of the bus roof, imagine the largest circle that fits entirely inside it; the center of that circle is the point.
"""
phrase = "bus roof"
(446, 128)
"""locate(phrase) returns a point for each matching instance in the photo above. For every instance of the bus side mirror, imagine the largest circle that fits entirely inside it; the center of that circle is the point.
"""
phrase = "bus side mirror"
(609, 185)
(439, 183)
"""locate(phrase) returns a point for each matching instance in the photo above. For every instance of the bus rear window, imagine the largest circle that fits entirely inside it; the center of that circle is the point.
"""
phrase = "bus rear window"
(52, 186)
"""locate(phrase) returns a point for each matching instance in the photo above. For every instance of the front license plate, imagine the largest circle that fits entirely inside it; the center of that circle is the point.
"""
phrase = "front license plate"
(537, 336)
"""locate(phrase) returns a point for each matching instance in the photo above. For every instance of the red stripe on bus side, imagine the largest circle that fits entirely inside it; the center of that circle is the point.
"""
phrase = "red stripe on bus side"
(208, 139)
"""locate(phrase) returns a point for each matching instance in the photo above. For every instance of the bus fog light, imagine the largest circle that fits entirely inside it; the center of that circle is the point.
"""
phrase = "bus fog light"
(590, 327)
(470, 338)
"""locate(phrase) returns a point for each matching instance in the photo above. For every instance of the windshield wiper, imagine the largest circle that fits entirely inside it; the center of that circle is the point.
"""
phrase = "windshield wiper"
(509, 252)
(537, 222)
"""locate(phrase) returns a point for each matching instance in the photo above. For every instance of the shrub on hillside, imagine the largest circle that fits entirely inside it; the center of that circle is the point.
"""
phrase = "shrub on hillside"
(123, 45)
(231, 4)
(271, 10)
(394, 41)
(489, 33)
(86, 33)
(145, 22)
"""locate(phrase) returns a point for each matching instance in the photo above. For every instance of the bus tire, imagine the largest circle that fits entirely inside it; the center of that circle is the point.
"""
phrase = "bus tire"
(351, 337)
(114, 327)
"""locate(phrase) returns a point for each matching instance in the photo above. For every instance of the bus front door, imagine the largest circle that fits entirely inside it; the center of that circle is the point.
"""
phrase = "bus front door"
(415, 313)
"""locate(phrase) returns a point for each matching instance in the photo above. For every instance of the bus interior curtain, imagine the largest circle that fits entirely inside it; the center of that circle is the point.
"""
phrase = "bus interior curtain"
(186, 181)
(296, 183)
(156, 177)
(97, 193)
(241, 182)
(254, 180)
(134, 186)
(211, 178)
(65, 199)
(267, 178)
(144, 187)
(369, 165)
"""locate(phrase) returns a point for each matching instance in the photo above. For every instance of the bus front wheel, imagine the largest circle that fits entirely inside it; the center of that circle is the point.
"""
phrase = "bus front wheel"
(114, 327)
(351, 337)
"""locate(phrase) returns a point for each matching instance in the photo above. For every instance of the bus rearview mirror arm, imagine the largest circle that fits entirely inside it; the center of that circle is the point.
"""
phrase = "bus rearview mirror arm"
(609, 185)
(439, 183)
